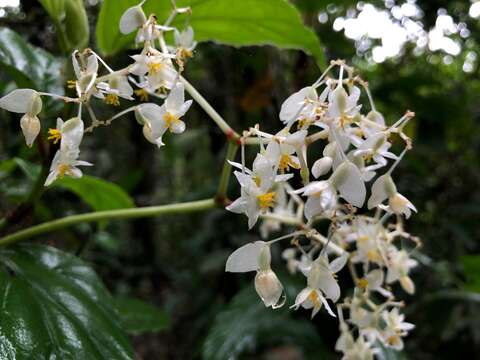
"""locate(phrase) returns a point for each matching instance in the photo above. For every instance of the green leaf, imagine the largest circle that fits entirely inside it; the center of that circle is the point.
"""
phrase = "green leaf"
(29, 66)
(98, 193)
(31, 170)
(246, 324)
(138, 317)
(231, 22)
(471, 266)
(55, 307)
(71, 22)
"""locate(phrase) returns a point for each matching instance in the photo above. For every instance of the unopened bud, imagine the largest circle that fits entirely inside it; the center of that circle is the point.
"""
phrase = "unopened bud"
(30, 127)
(264, 258)
(407, 284)
(269, 288)
(35, 105)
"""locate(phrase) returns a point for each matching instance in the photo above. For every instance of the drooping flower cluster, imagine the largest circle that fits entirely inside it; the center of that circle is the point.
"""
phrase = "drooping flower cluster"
(155, 72)
(354, 172)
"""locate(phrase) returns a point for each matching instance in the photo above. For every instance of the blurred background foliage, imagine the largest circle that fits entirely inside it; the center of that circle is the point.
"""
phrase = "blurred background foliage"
(416, 55)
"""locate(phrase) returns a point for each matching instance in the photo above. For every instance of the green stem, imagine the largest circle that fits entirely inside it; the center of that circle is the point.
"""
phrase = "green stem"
(226, 172)
(147, 211)
(222, 124)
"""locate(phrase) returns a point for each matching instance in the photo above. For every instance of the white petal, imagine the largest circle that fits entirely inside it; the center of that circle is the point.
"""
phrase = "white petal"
(72, 134)
(348, 180)
(325, 303)
(176, 98)
(338, 264)
(177, 127)
(245, 258)
(292, 105)
(322, 166)
(132, 19)
(379, 193)
(18, 101)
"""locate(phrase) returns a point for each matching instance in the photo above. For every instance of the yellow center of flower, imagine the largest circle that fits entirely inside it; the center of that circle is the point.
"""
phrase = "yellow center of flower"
(154, 67)
(142, 94)
(393, 340)
(303, 122)
(362, 283)
(345, 119)
(112, 99)
(170, 119)
(373, 255)
(286, 162)
(64, 169)
(55, 135)
(313, 297)
(183, 53)
(362, 239)
(257, 180)
(367, 158)
(266, 200)
(71, 84)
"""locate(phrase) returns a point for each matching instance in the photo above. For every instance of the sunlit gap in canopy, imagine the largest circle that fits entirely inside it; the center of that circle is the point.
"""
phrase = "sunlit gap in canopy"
(381, 33)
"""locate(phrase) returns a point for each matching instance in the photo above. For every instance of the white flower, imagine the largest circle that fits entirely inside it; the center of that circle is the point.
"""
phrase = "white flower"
(65, 161)
(29, 103)
(322, 166)
(257, 194)
(395, 329)
(321, 197)
(399, 265)
(184, 42)
(375, 147)
(157, 67)
(384, 188)
(368, 240)
(373, 281)
(281, 148)
(115, 87)
(134, 18)
(86, 72)
(256, 257)
(321, 284)
(157, 120)
(300, 105)
(342, 106)
(359, 349)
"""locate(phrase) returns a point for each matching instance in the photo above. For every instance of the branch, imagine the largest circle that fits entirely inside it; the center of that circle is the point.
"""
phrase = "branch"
(147, 211)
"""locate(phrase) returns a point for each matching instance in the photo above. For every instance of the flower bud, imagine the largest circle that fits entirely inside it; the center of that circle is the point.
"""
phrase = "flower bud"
(398, 203)
(269, 288)
(264, 258)
(340, 98)
(407, 284)
(322, 166)
(30, 127)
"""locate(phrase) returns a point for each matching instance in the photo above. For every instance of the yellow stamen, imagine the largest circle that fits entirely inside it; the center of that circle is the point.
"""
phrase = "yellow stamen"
(345, 119)
(71, 84)
(373, 255)
(393, 340)
(258, 180)
(183, 53)
(362, 239)
(64, 169)
(362, 283)
(170, 119)
(154, 67)
(55, 135)
(112, 99)
(367, 158)
(142, 94)
(286, 162)
(313, 297)
(266, 200)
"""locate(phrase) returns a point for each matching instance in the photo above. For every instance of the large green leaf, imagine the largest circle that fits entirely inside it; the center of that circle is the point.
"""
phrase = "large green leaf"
(231, 22)
(246, 325)
(98, 193)
(29, 66)
(55, 307)
(139, 317)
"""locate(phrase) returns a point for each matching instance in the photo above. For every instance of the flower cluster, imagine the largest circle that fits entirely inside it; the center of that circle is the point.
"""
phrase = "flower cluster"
(155, 72)
(354, 171)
